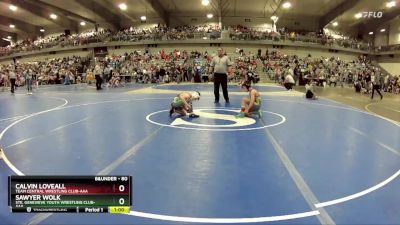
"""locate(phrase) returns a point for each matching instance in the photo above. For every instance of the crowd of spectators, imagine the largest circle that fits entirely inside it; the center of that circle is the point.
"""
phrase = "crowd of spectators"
(184, 66)
(246, 67)
(245, 33)
(328, 71)
(161, 32)
(145, 67)
(137, 67)
(66, 70)
(162, 67)
(165, 33)
(61, 40)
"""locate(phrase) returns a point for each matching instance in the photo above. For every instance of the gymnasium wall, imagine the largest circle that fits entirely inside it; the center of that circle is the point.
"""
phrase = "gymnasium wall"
(392, 68)
(381, 39)
(5, 62)
(391, 36)
(391, 63)
(394, 32)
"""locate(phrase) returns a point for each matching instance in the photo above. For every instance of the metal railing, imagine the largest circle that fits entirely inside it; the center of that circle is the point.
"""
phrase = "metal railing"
(388, 48)
(181, 36)
(164, 37)
(344, 43)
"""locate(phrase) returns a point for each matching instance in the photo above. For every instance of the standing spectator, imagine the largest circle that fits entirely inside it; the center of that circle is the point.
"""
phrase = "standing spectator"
(67, 78)
(386, 83)
(381, 80)
(13, 78)
(106, 73)
(178, 74)
(221, 66)
(197, 74)
(296, 74)
(375, 85)
(185, 74)
(250, 76)
(278, 74)
(162, 72)
(28, 80)
(333, 80)
(190, 73)
(271, 74)
(3, 79)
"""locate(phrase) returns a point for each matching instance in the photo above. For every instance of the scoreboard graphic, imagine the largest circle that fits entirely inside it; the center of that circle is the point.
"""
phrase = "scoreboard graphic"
(70, 194)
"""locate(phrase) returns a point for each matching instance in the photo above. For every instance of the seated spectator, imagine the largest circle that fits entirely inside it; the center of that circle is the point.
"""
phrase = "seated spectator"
(79, 79)
(310, 90)
(114, 81)
(333, 80)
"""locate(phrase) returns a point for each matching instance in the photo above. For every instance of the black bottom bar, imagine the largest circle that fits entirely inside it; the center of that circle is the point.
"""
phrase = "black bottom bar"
(60, 210)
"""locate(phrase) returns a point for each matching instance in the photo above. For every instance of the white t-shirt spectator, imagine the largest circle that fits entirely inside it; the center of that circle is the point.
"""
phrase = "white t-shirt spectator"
(310, 87)
(3, 77)
(290, 71)
(29, 74)
(289, 79)
(12, 75)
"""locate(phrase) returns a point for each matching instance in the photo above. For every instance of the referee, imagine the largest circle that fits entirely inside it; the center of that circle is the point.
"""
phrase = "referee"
(98, 71)
(221, 66)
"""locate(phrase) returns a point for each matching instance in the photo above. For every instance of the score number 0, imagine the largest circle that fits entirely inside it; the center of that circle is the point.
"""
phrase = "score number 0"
(121, 188)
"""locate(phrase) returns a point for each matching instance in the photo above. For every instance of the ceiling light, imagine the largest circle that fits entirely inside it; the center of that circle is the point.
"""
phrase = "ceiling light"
(143, 18)
(286, 5)
(12, 26)
(209, 16)
(391, 4)
(371, 33)
(53, 16)
(274, 17)
(123, 6)
(205, 2)
(358, 15)
(9, 37)
(383, 30)
(42, 30)
(83, 23)
(335, 24)
(13, 8)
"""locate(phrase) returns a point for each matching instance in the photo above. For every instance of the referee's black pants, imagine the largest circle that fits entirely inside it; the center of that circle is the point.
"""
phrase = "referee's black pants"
(376, 87)
(12, 81)
(99, 80)
(221, 79)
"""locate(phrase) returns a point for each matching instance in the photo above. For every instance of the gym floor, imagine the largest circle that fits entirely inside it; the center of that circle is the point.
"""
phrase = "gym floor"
(335, 160)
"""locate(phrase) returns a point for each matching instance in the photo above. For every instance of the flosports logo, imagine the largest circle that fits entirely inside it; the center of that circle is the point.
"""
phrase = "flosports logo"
(372, 14)
(224, 120)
